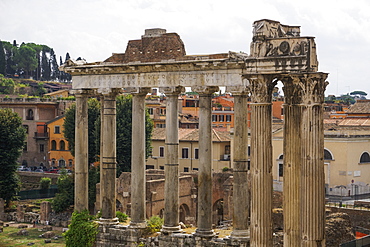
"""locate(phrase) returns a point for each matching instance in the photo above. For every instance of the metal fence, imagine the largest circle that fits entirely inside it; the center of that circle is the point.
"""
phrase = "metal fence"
(37, 194)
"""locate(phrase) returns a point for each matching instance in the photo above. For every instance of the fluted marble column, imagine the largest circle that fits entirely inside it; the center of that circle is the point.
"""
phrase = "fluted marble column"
(205, 162)
(81, 151)
(108, 169)
(313, 178)
(138, 181)
(261, 87)
(241, 198)
(171, 190)
(292, 162)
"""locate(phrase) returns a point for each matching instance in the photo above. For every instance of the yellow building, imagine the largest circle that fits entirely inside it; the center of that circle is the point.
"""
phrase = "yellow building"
(189, 150)
(346, 157)
(59, 154)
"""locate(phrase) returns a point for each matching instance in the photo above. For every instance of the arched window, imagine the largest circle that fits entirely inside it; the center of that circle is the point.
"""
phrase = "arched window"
(53, 145)
(365, 158)
(327, 155)
(29, 114)
(62, 163)
(62, 145)
(53, 162)
(70, 163)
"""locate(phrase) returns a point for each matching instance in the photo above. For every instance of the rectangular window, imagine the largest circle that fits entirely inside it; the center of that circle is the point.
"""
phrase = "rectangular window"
(228, 118)
(196, 153)
(25, 146)
(221, 117)
(161, 167)
(214, 118)
(161, 151)
(57, 129)
(149, 167)
(150, 110)
(42, 148)
(281, 170)
(185, 153)
(186, 169)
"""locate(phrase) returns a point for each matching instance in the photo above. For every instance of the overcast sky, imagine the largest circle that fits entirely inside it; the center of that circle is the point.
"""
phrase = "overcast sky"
(94, 29)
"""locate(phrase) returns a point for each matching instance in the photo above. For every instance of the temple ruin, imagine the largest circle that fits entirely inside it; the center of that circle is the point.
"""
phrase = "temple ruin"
(159, 60)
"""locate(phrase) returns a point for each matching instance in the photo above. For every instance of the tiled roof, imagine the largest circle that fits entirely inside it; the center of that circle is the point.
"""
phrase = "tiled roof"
(361, 106)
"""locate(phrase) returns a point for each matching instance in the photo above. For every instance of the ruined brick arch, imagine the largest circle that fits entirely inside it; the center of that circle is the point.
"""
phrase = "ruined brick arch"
(218, 211)
(119, 206)
(184, 212)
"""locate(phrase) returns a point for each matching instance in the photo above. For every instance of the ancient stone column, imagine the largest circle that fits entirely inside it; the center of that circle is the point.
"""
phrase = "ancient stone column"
(81, 152)
(138, 181)
(108, 169)
(171, 171)
(292, 204)
(261, 87)
(241, 198)
(313, 177)
(205, 162)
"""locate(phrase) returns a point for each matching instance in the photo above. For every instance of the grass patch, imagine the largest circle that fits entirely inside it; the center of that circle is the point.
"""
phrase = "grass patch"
(9, 238)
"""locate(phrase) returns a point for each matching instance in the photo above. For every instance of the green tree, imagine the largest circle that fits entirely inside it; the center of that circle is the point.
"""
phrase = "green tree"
(69, 128)
(6, 85)
(65, 197)
(12, 140)
(45, 67)
(25, 59)
(82, 231)
(45, 183)
(2, 59)
(124, 132)
(54, 65)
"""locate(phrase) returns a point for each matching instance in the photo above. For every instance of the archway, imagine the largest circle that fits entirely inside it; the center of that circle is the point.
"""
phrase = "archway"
(184, 212)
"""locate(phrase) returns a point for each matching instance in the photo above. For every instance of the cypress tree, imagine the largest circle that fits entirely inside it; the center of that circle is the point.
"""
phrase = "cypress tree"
(2, 59)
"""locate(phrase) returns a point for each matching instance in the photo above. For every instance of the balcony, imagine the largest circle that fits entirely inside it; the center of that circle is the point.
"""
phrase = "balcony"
(225, 157)
(43, 135)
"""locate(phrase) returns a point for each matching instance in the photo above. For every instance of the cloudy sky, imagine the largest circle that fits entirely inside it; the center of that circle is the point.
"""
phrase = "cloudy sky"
(94, 29)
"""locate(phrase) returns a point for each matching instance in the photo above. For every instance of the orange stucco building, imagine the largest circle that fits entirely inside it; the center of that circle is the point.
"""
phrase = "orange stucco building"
(59, 155)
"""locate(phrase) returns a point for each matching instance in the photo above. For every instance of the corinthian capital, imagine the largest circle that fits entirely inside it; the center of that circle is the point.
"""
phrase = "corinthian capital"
(261, 87)
(312, 87)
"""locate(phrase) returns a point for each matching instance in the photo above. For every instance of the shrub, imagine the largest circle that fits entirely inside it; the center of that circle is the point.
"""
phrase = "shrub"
(154, 224)
(82, 230)
(45, 183)
(225, 169)
(122, 217)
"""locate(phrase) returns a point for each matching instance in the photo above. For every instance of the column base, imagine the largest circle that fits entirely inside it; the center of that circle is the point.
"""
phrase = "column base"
(137, 225)
(241, 235)
(204, 233)
(108, 222)
(167, 230)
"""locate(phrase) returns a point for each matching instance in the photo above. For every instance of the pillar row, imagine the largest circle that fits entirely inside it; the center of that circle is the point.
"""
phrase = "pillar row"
(313, 177)
(292, 162)
(108, 168)
(241, 199)
(171, 200)
(205, 162)
(81, 151)
(261, 87)
(138, 180)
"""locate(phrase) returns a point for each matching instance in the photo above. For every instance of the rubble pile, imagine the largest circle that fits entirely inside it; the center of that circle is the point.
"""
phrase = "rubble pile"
(338, 229)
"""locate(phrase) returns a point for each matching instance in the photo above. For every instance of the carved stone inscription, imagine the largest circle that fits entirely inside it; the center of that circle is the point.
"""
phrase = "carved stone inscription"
(160, 79)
